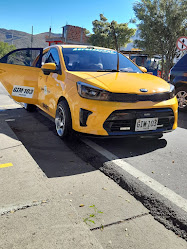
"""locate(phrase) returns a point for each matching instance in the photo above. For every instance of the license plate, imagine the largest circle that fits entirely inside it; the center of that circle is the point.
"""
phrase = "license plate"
(146, 124)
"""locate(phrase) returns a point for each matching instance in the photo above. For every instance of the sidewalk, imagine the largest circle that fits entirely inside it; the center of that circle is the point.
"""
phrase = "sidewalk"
(56, 200)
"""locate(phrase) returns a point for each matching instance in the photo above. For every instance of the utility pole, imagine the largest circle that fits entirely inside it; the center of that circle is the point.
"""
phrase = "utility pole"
(32, 37)
(12, 38)
(50, 32)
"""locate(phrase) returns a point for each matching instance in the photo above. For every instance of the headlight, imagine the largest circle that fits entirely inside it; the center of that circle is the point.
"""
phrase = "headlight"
(91, 92)
(172, 91)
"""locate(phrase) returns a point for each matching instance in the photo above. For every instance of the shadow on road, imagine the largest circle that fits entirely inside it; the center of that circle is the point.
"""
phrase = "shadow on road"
(4, 128)
(131, 147)
(182, 120)
(37, 134)
(54, 156)
(120, 147)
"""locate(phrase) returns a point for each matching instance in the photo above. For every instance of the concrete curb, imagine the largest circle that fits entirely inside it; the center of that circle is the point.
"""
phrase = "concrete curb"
(160, 208)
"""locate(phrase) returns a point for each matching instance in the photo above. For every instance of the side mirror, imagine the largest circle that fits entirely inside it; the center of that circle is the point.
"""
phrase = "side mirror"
(143, 69)
(48, 68)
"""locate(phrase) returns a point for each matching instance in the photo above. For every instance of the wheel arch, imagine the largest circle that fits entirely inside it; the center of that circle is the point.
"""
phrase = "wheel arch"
(179, 84)
(62, 98)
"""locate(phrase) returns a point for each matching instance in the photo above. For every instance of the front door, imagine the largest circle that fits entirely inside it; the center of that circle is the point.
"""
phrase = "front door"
(19, 71)
(50, 85)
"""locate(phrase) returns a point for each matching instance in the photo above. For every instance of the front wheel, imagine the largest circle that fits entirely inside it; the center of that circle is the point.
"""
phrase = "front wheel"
(63, 120)
(181, 94)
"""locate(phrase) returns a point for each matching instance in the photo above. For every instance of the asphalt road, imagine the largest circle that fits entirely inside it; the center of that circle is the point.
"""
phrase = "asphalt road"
(163, 160)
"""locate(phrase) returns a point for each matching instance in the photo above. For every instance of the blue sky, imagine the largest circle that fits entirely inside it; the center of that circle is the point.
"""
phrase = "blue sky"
(22, 14)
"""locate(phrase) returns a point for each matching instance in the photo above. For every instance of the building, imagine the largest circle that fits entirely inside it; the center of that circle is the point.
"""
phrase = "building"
(70, 35)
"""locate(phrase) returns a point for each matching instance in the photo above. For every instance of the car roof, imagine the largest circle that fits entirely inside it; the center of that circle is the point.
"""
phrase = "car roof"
(182, 62)
(78, 46)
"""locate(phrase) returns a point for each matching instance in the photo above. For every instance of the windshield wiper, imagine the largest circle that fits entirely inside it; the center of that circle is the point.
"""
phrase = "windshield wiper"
(108, 70)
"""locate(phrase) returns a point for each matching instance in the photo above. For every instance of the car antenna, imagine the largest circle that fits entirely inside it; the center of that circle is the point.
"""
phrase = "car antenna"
(116, 44)
(117, 61)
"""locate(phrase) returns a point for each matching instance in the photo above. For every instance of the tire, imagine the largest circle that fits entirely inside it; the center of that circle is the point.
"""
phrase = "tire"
(30, 107)
(63, 121)
(181, 94)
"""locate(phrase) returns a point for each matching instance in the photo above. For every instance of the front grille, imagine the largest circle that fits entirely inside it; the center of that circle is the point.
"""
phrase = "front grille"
(126, 97)
(120, 124)
(123, 121)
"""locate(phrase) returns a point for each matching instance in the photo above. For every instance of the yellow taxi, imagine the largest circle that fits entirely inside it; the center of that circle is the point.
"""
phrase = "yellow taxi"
(91, 90)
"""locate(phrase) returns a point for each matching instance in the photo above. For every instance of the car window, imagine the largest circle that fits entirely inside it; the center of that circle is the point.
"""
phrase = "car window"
(22, 57)
(52, 57)
(44, 57)
(86, 59)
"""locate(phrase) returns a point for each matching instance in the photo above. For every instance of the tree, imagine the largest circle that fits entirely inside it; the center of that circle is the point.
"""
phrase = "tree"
(5, 48)
(110, 34)
(162, 22)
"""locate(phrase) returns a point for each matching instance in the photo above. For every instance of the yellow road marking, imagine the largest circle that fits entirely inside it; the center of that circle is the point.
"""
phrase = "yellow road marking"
(6, 165)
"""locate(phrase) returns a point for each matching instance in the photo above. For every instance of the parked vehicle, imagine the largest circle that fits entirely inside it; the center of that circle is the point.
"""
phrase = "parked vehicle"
(90, 90)
(178, 77)
(151, 64)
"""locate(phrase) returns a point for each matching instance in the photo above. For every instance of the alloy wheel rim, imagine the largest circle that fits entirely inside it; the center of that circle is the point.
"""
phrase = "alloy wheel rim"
(60, 121)
(182, 99)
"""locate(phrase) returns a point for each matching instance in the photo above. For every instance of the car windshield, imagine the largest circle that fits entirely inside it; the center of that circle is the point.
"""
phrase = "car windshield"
(97, 60)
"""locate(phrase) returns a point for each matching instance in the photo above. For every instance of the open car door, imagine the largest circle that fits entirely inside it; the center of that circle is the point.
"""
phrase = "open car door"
(19, 72)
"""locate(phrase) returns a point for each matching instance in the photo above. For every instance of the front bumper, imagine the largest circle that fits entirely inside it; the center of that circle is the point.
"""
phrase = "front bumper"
(102, 119)
(123, 122)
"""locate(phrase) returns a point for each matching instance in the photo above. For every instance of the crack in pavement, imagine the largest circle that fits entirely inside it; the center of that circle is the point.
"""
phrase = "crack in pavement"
(11, 147)
(120, 221)
(15, 208)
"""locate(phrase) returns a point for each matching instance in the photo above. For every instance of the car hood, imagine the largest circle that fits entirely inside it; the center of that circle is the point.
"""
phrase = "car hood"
(121, 82)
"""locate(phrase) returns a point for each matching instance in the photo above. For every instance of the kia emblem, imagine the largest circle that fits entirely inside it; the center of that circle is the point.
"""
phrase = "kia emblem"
(143, 90)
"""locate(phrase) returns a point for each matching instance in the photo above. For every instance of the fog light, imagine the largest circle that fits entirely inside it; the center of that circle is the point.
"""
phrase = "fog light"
(84, 114)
